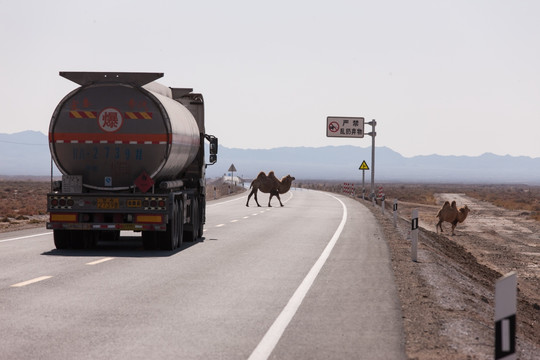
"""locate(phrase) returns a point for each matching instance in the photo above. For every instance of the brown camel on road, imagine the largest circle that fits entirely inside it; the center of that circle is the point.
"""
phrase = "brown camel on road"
(270, 184)
(450, 213)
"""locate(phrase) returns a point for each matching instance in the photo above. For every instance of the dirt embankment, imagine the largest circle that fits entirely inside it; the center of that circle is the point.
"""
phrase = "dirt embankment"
(447, 296)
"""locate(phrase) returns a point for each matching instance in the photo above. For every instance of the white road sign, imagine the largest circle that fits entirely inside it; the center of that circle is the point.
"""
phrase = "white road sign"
(341, 126)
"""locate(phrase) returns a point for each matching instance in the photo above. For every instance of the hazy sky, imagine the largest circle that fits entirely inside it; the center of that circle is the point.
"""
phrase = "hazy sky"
(440, 77)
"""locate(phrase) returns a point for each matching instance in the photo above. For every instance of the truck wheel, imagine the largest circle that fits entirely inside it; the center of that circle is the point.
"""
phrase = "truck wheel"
(192, 234)
(180, 220)
(77, 239)
(168, 240)
(61, 239)
(200, 229)
(149, 240)
(89, 239)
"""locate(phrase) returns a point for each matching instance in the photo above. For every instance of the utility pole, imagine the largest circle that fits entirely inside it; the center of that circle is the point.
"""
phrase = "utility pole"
(373, 133)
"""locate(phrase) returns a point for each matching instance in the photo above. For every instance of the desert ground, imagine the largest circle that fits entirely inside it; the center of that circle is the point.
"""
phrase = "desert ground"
(447, 296)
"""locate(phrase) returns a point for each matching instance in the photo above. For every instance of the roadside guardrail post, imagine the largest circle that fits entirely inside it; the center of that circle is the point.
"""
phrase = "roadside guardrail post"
(414, 235)
(505, 317)
(394, 208)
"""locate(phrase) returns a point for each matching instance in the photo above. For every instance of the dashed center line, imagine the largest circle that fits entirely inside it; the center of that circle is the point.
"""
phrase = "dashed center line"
(99, 261)
(38, 279)
(245, 217)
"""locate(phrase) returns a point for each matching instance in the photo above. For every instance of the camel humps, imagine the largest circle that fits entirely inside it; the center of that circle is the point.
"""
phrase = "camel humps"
(450, 213)
(270, 184)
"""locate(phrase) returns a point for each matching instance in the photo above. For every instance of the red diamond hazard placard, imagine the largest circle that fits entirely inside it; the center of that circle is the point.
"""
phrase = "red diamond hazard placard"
(144, 182)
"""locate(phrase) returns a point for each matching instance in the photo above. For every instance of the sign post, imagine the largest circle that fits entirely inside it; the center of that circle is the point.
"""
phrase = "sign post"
(364, 167)
(414, 235)
(373, 133)
(353, 127)
(505, 317)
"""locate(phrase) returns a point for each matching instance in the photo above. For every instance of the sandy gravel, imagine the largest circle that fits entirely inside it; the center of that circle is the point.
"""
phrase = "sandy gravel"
(448, 295)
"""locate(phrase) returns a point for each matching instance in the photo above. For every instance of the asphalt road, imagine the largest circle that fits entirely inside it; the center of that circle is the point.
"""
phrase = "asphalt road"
(310, 280)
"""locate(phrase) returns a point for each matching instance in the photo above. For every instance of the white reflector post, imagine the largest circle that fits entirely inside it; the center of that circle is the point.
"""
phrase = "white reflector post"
(505, 317)
(414, 235)
(394, 208)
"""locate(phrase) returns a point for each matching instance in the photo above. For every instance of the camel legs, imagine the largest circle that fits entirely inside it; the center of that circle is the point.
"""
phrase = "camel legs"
(276, 194)
(439, 225)
(454, 224)
(253, 192)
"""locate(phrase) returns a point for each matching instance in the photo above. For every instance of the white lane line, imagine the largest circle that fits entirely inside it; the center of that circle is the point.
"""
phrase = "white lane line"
(274, 333)
(245, 217)
(38, 279)
(233, 221)
(220, 225)
(24, 237)
(223, 202)
(99, 261)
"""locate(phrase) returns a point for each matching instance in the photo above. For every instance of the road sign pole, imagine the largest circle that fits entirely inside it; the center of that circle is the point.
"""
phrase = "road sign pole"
(364, 167)
(373, 133)
(363, 183)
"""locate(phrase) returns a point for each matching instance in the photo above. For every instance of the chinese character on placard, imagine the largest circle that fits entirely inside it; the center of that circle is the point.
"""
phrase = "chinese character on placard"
(110, 119)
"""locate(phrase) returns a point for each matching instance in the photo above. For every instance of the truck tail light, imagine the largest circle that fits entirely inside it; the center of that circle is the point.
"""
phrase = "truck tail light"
(63, 217)
(153, 219)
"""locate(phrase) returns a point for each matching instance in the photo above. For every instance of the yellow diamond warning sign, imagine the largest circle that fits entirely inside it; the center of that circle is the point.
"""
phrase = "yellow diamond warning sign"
(364, 166)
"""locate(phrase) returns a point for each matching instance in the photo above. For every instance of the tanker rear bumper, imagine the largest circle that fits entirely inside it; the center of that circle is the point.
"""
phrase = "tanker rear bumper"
(106, 226)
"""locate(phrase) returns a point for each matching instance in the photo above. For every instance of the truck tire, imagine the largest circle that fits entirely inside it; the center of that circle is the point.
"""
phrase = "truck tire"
(168, 240)
(149, 240)
(77, 240)
(61, 238)
(180, 220)
(90, 239)
(192, 234)
(201, 217)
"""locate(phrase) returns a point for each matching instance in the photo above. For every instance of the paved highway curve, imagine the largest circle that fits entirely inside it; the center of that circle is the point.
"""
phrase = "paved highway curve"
(311, 280)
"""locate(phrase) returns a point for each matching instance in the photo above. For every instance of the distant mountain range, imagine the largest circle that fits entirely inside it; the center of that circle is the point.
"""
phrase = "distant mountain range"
(27, 153)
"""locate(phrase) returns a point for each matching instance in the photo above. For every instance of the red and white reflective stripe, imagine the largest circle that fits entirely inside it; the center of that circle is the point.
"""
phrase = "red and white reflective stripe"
(348, 188)
(106, 138)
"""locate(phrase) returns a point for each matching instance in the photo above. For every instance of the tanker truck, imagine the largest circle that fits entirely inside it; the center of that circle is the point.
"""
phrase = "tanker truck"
(132, 156)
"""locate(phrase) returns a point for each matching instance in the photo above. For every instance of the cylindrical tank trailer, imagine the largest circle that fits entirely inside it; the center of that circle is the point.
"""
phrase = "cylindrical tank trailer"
(111, 130)
(114, 139)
